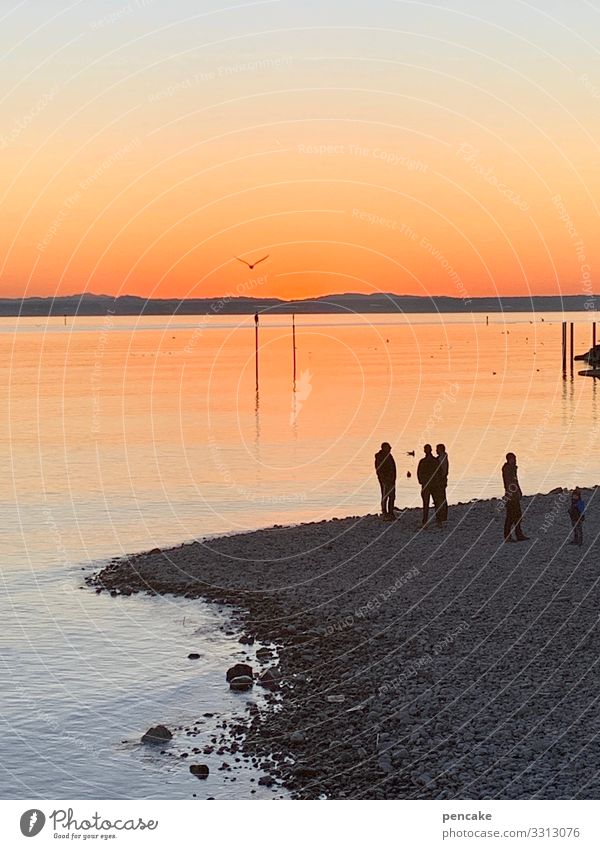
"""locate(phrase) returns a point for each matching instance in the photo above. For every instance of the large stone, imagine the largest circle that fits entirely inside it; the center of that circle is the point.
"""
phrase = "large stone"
(264, 653)
(241, 683)
(305, 771)
(199, 770)
(269, 678)
(239, 669)
(157, 734)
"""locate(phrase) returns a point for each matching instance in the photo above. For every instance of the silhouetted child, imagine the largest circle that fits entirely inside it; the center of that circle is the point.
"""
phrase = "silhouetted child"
(512, 499)
(577, 515)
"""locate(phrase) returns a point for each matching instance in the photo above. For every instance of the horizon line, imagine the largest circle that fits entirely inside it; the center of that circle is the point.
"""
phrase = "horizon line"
(332, 295)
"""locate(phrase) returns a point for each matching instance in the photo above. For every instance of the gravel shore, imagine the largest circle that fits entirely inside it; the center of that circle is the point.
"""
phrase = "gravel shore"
(413, 663)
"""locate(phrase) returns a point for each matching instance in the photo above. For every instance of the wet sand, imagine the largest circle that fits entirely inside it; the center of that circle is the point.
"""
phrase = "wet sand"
(413, 663)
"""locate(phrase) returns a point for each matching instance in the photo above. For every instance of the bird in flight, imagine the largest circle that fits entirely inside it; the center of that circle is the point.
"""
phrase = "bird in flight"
(251, 266)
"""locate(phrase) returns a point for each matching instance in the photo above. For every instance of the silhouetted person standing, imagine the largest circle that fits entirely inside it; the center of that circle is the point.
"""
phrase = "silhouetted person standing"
(440, 499)
(426, 472)
(577, 515)
(385, 467)
(512, 495)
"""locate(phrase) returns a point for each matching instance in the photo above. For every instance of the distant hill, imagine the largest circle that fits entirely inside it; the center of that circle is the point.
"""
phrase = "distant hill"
(90, 304)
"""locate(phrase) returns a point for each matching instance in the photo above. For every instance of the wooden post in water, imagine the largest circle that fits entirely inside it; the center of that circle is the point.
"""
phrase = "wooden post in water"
(572, 348)
(294, 346)
(593, 334)
(256, 347)
(564, 347)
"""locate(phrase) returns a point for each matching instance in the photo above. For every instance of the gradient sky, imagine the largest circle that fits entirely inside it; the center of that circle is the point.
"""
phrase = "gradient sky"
(410, 147)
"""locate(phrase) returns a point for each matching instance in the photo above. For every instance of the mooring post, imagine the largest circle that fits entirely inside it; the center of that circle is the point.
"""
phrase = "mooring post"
(564, 347)
(256, 347)
(593, 334)
(572, 347)
(294, 346)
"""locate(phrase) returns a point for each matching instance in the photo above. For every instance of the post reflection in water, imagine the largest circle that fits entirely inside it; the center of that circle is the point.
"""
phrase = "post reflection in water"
(257, 426)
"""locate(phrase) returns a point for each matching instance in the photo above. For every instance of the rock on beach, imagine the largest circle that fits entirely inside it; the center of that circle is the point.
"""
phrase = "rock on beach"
(199, 770)
(157, 734)
(239, 670)
(241, 683)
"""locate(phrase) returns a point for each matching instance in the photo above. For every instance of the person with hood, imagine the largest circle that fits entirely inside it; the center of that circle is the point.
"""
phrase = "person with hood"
(426, 472)
(577, 515)
(512, 497)
(385, 467)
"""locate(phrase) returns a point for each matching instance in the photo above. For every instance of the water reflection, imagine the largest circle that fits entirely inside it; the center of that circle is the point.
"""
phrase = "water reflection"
(146, 439)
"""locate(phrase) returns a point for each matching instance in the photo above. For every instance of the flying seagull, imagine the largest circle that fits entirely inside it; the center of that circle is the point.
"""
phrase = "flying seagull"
(251, 266)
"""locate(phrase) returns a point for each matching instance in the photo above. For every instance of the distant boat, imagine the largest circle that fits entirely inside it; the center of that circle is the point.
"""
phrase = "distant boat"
(591, 357)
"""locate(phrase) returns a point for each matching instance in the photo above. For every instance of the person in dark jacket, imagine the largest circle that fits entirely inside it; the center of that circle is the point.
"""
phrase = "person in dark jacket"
(512, 497)
(385, 468)
(441, 485)
(426, 471)
(577, 515)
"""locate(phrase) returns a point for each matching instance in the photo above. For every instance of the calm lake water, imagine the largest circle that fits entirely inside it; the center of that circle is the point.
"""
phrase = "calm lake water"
(122, 434)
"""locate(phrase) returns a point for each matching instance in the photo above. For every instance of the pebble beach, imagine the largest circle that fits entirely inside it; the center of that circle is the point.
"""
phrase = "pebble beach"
(410, 663)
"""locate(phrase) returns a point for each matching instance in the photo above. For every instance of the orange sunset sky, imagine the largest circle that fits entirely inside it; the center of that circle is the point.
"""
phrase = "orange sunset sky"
(389, 146)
